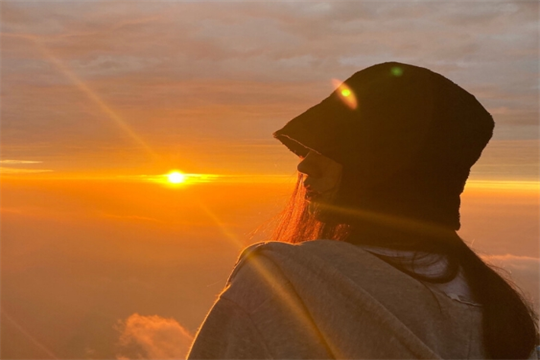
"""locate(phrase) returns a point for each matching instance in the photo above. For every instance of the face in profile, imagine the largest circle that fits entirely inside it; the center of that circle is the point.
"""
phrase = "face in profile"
(322, 179)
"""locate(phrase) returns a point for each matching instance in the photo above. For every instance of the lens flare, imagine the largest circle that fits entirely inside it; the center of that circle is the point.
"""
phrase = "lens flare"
(176, 177)
(396, 71)
(345, 93)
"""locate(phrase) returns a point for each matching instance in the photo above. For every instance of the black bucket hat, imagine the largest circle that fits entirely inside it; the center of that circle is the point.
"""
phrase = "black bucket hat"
(406, 137)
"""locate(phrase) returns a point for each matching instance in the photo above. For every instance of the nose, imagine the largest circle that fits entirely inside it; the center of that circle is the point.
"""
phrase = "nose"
(308, 165)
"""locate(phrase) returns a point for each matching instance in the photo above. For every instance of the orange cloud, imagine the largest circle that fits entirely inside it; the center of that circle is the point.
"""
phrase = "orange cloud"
(153, 337)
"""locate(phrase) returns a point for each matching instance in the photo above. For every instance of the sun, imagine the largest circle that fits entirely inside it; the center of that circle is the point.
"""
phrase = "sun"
(176, 177)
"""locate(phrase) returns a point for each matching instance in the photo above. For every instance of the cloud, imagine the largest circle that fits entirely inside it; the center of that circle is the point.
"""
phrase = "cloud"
(10, 170)
(184, 72)
(502, 159)
(523, 270)
(152, 337)
(515, 263)
(11, 162)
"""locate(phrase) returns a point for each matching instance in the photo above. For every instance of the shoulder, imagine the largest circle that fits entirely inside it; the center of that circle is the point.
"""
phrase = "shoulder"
(320, 246)
(256, 277)
(265, 266)
(319, 264)
(313, 253)
(267, 273)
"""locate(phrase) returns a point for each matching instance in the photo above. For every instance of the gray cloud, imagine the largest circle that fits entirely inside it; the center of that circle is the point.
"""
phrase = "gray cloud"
(179, 71)
(523, 270)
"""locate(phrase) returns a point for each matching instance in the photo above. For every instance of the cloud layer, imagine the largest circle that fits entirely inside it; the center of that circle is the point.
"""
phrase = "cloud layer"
(153, 337)
(524, 271)
(183, 75)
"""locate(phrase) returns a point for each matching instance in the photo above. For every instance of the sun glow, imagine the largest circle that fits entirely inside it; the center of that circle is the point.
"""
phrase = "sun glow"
(176, 177)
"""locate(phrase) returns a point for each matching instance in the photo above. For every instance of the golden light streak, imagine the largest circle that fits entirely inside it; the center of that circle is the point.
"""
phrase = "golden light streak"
(286, 296)
(176, 178)
(28, 335)
(86, 90)
(161, 179)
(221, 226)
(345, 93)
(296, 309)
(386, 219)
(189, 178)
(289, 297)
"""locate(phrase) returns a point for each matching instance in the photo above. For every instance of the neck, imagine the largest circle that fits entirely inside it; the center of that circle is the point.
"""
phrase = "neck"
(406, 235)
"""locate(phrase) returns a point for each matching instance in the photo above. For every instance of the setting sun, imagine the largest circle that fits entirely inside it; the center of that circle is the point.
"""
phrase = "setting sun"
(176, 177)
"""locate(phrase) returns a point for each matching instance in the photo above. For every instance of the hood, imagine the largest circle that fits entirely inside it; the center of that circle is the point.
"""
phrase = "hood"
(406, 137)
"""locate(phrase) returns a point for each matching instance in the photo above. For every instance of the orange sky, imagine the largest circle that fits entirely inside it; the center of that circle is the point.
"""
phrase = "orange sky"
(81, 256)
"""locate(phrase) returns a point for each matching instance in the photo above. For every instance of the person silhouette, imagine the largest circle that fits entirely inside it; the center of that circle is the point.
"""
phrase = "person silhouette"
(366, 262)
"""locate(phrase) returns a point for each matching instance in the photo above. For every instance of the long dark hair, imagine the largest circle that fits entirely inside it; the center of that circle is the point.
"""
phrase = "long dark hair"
(510, 325)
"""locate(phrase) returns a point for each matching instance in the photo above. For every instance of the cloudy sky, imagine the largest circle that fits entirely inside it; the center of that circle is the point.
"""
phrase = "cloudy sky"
(139, 87)
(97, 94)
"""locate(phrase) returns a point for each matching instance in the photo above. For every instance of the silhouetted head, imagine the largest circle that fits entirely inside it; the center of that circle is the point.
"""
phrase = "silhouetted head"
(387, 155)
(406, 138)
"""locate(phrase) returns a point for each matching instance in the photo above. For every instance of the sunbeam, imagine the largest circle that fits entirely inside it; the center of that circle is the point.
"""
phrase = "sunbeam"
(286, 296)
(28, 335)
(111, 114)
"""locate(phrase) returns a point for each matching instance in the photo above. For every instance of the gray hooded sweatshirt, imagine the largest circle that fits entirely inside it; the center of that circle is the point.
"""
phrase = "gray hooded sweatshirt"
(328, 299)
